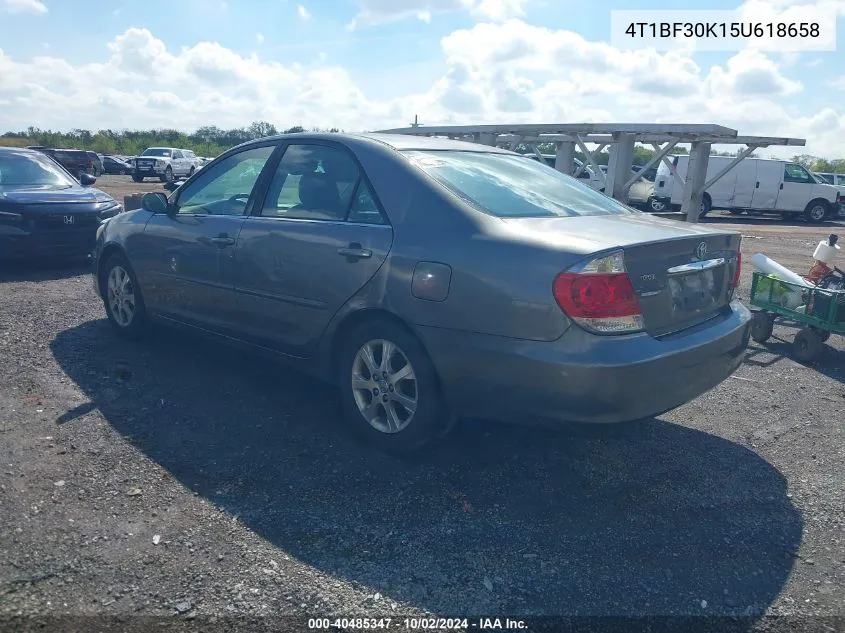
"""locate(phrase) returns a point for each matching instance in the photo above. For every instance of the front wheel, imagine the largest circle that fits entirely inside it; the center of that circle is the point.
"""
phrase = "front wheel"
(168, 175)
(656, 205)
(389, 388)
(122, 298)
(137, 178)
(816, 211)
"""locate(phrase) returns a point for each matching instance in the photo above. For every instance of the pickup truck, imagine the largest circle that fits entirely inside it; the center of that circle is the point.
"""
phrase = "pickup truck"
(164, 163)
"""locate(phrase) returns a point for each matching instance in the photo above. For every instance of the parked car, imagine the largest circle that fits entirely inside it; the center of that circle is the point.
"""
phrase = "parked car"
(44, 211)
(164, 163)
(832, 179)
(429, 279)
(116, 165)
(757, 185)
(96, 164)
(76, 161)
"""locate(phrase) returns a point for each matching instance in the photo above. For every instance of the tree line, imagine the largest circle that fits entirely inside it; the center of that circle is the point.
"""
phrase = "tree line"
(208, 140)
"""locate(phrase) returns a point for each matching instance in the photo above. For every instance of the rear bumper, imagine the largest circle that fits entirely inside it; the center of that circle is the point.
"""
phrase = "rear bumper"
(583, 377)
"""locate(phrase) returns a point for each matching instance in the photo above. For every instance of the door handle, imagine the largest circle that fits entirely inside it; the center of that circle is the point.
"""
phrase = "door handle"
(757, 186)
(355, 251)
(781, 185)
(223, 240)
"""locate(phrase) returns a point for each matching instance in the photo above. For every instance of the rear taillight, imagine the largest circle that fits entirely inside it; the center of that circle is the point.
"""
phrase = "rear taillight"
(737, 270)
(599, 296)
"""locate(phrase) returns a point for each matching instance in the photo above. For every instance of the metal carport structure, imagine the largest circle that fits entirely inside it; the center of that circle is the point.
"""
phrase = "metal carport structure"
(621, 138)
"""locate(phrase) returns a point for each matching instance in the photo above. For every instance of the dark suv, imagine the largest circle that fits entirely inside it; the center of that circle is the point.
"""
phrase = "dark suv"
(76, 161)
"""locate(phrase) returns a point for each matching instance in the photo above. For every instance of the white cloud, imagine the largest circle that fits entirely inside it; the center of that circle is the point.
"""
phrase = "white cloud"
(302, 12)
(540, 75)
(25, 6)
(259, 38)
(374, 12)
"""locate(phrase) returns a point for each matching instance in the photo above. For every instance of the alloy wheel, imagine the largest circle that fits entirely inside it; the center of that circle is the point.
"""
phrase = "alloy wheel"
(384, 386)
(121, 296)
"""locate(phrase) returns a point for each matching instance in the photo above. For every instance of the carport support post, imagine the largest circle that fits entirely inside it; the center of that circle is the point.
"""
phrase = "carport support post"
(565, 156)
(699, 157)
(619, 166)
(487, 138)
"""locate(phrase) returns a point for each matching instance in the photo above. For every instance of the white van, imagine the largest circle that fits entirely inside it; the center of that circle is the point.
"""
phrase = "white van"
(756, 185)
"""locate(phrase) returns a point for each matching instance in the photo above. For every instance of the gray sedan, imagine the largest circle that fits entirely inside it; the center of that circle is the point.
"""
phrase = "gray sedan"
(430, 279)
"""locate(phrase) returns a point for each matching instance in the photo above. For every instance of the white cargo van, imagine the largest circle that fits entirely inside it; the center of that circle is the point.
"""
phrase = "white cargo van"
(756, 185)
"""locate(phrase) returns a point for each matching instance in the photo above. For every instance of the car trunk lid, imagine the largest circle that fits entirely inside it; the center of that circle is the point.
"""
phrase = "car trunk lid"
(682, 273)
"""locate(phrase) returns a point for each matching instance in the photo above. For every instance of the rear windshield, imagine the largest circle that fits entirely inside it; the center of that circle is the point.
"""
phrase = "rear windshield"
(64, 154)
(155, 151)
(509, 186)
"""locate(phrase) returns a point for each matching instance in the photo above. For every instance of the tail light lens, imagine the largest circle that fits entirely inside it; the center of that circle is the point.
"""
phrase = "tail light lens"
(737, 270)
(599, 296)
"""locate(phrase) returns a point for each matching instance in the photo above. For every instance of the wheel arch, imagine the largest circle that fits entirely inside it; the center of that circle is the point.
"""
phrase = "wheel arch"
(348, 323)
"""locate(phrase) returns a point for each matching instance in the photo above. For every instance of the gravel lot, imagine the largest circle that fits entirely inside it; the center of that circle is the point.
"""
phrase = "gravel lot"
(176, 477)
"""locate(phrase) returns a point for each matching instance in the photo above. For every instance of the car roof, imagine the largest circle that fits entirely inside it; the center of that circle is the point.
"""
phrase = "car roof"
(400, 142)
(19, 150)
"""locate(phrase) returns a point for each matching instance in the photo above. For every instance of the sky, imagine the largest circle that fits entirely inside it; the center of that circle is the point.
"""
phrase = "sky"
(375, 64)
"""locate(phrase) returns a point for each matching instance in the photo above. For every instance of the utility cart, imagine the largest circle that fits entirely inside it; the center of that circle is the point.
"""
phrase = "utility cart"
(819, 312)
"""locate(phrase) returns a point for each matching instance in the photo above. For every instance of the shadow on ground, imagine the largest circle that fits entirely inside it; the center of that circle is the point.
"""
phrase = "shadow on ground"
(42, 269)
(647, 519)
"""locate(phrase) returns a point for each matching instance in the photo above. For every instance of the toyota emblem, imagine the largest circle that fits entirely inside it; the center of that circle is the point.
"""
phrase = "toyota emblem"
(701, 250)
(68, 219)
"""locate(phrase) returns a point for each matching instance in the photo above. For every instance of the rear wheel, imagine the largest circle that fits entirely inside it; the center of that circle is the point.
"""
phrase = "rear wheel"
(822, 334)
(137, 178)
(706, 204)
(807, 345)
(122, 298)
(389, 388)
(762, 326)
(816, 211)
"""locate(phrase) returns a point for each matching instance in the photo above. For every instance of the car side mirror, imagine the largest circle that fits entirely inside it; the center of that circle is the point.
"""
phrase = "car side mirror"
(86, 180)
(155, 202)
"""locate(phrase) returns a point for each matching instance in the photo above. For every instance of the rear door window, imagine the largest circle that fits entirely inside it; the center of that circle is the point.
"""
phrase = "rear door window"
(318, 182)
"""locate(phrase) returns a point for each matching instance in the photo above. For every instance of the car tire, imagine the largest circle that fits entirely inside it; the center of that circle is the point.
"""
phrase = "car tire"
(817, 211)
(136, 178)
(706, 205)
(122, 298)
(823, 335)
(374, 408)
(762, 326)
(807, 345)
(191, 171)
(168, 174)
(656, 205)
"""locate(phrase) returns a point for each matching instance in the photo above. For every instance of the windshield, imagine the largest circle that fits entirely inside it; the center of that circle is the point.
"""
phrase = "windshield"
(31, 170)
(509, 186)
(154, 151)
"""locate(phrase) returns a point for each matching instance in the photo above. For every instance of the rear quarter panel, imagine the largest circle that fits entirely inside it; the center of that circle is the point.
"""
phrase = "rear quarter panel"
(498, 285)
